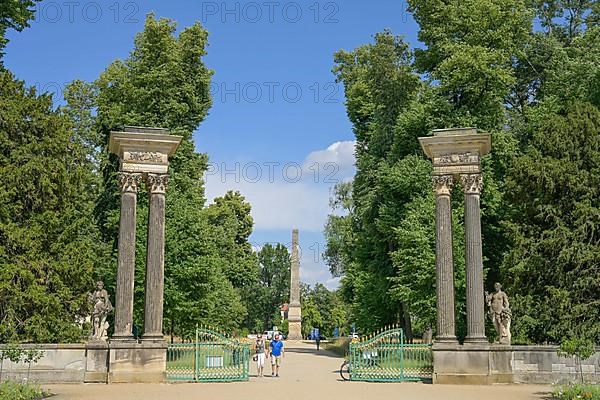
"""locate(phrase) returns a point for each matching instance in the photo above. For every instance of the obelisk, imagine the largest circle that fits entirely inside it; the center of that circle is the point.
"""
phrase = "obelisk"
(295, 313)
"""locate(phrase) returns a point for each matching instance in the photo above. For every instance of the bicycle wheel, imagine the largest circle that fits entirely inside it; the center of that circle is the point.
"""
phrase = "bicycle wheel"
(345, 371)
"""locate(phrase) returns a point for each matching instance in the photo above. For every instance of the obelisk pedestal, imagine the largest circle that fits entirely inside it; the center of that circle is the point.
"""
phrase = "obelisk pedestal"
(295, 309)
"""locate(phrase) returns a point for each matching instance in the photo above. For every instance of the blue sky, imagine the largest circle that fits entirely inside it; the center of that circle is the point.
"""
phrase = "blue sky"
(277, 131)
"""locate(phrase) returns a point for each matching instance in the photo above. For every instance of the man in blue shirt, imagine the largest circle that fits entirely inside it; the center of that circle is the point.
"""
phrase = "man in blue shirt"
(277, 351)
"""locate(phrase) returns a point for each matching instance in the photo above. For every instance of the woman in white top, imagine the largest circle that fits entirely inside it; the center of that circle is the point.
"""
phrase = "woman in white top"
(259, 348)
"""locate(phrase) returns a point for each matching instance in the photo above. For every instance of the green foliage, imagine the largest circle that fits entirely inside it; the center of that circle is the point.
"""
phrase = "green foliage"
(271, 289)
(323, 309)
(14, 14)
(576, 347)
(537, 90)
(470, 52)
(340, 346)
(49, 244)
(17, 354)
(555, 254)
(570, 392)
(10, 390)
(209, 264)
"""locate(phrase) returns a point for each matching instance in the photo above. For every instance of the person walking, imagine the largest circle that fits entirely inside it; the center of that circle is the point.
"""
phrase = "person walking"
(276, 352)
(259, 349)
(318, 340)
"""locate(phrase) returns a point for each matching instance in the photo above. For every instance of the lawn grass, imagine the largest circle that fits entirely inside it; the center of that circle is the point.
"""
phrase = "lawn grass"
(10, 390)
(338, 346)
(577, 391)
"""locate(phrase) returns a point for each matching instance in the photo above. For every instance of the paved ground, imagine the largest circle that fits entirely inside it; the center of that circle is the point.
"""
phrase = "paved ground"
(305, 374)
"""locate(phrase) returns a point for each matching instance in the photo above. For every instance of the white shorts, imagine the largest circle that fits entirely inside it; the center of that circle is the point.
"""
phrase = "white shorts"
(260, 360)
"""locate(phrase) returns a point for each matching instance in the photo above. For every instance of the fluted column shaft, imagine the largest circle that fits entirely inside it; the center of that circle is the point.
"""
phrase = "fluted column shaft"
(129, 183)
(472, 185)
(155, 258)
(442, 185)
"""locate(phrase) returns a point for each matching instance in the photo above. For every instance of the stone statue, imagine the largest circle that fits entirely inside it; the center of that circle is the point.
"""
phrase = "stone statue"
(101, 306)
(428, 335)
(499, 312)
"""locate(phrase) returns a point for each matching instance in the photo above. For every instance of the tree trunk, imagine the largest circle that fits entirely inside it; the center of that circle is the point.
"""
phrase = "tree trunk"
(171, 330)
(406, 323)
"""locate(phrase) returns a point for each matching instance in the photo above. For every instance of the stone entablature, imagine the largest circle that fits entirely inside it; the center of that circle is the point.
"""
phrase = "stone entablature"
(456, 151)
(144, 150)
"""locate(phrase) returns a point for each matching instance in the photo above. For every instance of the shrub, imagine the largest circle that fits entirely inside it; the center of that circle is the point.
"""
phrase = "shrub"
(339, 346)
(580, 349)
(584, 392)
(10, 390)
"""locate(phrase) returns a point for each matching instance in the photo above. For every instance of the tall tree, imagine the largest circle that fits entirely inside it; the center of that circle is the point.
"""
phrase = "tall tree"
(49, 244)
(484, 64)
(554, 262)
(273, 286)
(164, 83)
(14, 14)
(322, 308)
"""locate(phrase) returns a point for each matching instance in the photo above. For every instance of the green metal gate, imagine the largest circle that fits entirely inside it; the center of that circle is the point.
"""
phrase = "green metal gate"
(385, 357)
(213, 357)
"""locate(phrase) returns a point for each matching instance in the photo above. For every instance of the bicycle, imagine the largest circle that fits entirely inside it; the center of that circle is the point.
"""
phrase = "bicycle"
(345, 370)
(370, 359)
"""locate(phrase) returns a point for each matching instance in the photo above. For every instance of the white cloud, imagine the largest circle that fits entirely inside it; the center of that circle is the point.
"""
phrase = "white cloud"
(332, 283)
(340, 154)
(284, 197)
(279, 205)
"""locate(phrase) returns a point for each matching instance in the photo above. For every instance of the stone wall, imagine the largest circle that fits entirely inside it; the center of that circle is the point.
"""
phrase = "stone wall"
(541, 364)
(59, 363)
(94, 362)
(488, 364)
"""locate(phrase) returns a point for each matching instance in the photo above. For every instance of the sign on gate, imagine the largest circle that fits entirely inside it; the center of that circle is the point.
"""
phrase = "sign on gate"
(213, 357)
(386, 358)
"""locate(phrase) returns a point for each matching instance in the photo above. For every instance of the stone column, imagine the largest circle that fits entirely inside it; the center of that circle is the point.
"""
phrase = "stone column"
(442, 185)
(155, 258)
(472, 185)
(295, 311)
(129, 183)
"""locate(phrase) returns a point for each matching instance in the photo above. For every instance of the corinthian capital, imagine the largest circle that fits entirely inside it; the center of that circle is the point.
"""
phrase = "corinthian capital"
(157, 183)
(471, 183)
(442, 184)
(129, 182)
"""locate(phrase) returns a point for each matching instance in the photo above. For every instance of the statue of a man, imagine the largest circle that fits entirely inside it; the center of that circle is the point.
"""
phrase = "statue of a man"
(499, 312)
(101, 306)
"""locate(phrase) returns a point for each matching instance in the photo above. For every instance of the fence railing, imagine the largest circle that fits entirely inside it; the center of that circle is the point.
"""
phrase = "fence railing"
(212, 357)
(385, 357)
